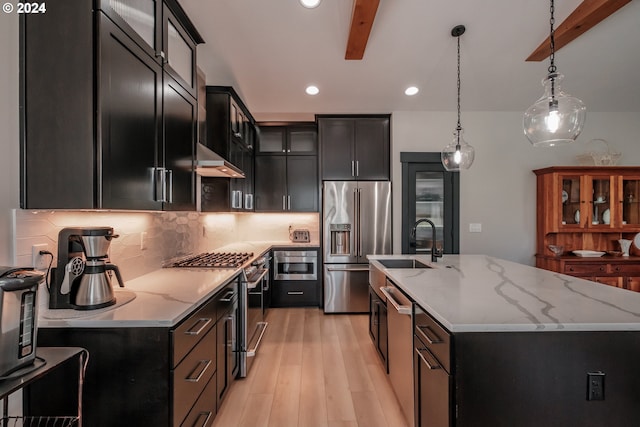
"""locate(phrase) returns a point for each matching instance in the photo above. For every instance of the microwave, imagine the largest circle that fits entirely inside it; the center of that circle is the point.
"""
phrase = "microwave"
(295, 265)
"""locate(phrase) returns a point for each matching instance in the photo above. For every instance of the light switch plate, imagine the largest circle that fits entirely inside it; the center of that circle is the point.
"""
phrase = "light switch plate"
(475, 227)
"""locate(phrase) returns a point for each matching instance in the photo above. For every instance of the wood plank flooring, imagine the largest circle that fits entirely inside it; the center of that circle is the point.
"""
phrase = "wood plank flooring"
(313, 370)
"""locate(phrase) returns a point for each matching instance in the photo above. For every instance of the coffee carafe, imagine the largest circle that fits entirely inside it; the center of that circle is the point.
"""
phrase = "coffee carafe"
(81, 280)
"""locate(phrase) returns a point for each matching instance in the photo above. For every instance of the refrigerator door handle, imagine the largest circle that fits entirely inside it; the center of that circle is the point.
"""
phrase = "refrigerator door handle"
(359, 229)
(348, 268)
(356, 222)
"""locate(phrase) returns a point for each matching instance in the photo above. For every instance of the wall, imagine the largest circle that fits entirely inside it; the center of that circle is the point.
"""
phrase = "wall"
(499, 190)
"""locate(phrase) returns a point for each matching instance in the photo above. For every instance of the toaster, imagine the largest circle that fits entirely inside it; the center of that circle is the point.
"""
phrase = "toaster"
(18, 291)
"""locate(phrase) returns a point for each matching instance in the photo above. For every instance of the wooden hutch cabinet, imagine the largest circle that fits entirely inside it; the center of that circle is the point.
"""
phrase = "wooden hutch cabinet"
(590, 208)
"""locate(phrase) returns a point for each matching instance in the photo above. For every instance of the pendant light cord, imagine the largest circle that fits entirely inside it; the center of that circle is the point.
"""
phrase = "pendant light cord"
(552, 66)
(459, 127)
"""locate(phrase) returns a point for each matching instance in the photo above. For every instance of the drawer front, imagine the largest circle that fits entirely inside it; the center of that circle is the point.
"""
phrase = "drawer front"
(580, 268)
(204, 411)
(626, 269)
(294, 294)
(434, 337)
(192, 330)
(609, 280)
(192, 375)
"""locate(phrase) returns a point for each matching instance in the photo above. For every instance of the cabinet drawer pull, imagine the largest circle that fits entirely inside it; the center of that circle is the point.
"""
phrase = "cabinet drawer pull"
(424, 359)
(203, 322)
(423, 331)
(295, 293)
(198, 371)
(570, 268)
(204, 416)
(601, 268)
(228, 296)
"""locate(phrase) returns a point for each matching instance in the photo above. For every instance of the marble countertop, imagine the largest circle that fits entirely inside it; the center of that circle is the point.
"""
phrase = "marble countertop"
(161, 298)
(479, 293)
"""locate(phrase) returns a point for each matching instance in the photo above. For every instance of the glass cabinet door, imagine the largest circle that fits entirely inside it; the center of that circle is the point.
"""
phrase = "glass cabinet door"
(429, 204)
(429, 192)
(571, 197)
(600, 201)
(631, 201)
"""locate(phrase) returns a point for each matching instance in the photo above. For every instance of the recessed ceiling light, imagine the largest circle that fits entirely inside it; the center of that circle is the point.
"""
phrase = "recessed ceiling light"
(411, 90)
(310, 4)
(312, 90)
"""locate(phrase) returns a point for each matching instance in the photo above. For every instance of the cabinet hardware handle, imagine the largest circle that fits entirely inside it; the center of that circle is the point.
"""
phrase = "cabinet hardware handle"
(207, 417)
(570, 268)
(353, 166)
(423, 331)
(288, 203)
(401, 309)
(202, 366)
(357, 167)
(424, 359)
(228, 296)
(295, 293)
(284, 201)
(170, 173)
(203, 321)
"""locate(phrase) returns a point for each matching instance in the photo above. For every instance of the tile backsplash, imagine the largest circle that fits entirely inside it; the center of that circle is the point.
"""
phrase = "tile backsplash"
(146, 239)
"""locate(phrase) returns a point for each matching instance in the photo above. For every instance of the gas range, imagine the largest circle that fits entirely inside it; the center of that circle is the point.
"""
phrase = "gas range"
(214, 260)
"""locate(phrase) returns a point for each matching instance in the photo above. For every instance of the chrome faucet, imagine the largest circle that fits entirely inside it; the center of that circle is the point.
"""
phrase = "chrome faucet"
(435, 253)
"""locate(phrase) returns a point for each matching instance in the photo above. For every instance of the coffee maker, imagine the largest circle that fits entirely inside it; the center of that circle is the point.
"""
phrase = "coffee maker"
(80, 280)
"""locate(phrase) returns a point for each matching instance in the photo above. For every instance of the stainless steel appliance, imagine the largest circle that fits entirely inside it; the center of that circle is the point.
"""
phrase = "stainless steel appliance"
(295, 265)
(253, 286)
(254, 283)
(18, 317)
(81, 280)
(400, 345)
(356, 223)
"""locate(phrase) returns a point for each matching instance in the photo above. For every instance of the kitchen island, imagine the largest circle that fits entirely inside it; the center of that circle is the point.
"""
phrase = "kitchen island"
(523, 346)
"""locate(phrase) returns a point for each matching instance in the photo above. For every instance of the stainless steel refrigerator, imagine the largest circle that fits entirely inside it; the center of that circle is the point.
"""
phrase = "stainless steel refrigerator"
(356, 223)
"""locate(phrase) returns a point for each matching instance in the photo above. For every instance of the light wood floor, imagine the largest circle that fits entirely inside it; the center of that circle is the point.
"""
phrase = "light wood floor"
(313, 370)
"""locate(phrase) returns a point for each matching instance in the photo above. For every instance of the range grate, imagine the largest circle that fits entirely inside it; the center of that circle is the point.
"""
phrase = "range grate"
(215, 260)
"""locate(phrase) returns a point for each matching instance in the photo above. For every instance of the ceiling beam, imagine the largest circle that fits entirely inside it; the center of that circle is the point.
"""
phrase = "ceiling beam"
(362, 16)
(587, 15)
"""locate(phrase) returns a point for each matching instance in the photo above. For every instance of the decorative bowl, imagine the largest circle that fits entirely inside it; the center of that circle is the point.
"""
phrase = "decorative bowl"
(556, 249)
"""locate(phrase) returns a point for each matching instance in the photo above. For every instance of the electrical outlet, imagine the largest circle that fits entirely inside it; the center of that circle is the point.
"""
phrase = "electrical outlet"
(595, 385)
(40, 262)
(475, 227)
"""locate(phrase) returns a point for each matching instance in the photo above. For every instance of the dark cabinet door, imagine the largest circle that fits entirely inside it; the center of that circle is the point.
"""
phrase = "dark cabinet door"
(179, 117)
(271, 183)
(355, 148)
(57, 102)
(130, 121)
(372, 149)
(337, 148)
(302, 183)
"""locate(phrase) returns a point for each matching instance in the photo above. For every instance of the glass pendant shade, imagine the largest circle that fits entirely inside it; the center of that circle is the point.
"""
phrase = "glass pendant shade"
(555, 119)
(457, 155)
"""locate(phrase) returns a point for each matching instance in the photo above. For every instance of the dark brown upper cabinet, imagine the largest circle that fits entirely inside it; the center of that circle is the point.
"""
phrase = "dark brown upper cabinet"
(106, 126)
(354, 147)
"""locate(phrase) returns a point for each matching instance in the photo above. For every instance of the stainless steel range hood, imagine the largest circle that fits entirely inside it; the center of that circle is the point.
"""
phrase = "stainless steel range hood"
(211, 164)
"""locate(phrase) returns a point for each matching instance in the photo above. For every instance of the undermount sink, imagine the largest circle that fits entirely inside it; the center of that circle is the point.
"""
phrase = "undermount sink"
(402, 263)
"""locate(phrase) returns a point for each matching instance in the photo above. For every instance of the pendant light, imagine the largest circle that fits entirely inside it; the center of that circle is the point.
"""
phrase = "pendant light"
(557, 118)
(457, 155)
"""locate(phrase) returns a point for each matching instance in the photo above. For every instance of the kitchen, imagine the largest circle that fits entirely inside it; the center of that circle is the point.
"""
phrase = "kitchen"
(486, 193)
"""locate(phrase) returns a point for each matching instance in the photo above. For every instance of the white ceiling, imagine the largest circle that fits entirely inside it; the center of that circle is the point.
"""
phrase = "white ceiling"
(270, 50)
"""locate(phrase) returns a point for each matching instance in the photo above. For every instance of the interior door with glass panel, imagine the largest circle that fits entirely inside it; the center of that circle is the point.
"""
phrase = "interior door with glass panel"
(429, 192)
